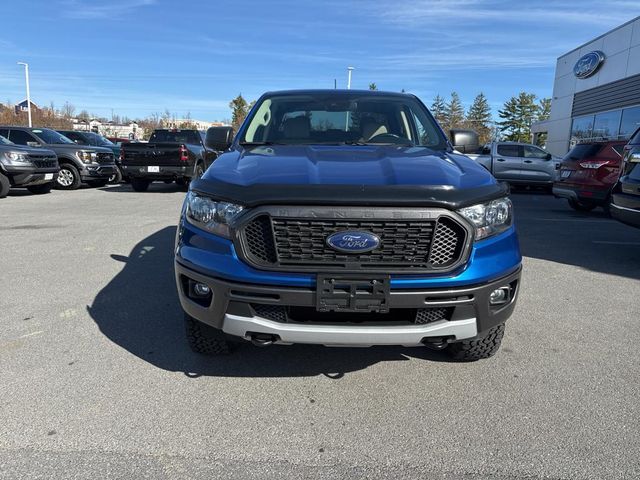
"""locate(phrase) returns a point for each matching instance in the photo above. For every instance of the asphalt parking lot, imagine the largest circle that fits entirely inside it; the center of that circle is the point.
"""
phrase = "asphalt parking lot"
(97, 381)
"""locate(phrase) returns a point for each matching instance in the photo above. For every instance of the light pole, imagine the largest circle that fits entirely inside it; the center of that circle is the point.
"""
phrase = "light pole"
(349, 70)
(26, 76)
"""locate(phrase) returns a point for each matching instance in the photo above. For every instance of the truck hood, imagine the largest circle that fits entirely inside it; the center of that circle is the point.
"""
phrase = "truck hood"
(330, 174)
(346, 165)
(27, 150)
(72, 148)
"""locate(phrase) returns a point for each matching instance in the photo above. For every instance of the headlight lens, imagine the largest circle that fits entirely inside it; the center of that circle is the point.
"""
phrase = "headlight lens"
(87, 157)
(210, 215)
(489, 218)
(15, 158)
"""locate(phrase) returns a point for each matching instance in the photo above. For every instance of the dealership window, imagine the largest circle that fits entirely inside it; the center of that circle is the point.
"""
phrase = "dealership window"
(607, 125)
(630, 122)
(581, 128)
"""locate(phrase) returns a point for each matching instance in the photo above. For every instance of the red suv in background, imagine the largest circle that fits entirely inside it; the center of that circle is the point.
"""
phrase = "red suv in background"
(588, 173)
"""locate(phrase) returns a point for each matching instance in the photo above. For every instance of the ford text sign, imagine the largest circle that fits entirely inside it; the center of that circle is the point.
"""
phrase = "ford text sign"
(588, 64)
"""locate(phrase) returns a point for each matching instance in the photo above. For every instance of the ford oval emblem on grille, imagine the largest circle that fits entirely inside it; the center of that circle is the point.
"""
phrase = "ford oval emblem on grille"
(353, 241)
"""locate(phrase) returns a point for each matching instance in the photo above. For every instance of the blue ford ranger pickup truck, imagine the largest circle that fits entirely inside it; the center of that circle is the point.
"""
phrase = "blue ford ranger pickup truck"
(345, 218)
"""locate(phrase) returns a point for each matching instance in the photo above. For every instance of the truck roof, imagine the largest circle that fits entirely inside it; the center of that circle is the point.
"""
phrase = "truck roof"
(344, 92)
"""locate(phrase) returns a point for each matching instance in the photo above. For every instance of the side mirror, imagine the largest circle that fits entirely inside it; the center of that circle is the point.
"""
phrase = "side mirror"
(549, 156)
(219, 138)
(465, 141)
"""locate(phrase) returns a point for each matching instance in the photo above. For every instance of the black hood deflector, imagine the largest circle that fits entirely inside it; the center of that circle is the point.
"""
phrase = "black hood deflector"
(345, 195)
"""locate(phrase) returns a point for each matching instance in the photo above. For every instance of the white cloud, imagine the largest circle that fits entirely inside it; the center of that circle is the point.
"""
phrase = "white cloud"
(89, 9)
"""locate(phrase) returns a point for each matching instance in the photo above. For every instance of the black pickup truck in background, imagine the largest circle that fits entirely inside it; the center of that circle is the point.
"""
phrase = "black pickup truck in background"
(170, 155)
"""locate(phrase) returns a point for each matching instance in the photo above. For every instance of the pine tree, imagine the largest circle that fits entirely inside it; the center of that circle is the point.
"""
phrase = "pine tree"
(518, 114)
(437, 110)
(479, 118)
(373, 86)
(544, 109)
(454, 112)
(239, 109)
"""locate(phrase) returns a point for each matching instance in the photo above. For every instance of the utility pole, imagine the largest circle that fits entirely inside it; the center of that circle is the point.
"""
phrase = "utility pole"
(26, 75)
(349, 70)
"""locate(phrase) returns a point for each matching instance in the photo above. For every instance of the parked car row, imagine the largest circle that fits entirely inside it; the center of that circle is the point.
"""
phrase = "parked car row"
(76, 157)
(603, 174)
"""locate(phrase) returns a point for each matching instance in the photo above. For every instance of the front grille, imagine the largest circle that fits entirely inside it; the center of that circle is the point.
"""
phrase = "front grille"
(277, 313)
(284, 314)
(104, 157)
(430, 315)
(44, 162)
(405, 245)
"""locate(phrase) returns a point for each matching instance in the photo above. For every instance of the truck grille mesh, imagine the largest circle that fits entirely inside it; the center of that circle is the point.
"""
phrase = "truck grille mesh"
(278, 313)
(430, 315)
(281, 243)
(44, 162)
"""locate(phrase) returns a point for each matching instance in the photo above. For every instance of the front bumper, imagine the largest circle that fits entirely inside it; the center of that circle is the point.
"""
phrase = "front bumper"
(165, 172)
(29, 176)
(98, 171)
(626, 208)
(581, 193)
(231, 308)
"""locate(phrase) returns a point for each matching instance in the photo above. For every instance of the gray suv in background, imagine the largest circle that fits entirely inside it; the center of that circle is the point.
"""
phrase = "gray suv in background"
(92, 165)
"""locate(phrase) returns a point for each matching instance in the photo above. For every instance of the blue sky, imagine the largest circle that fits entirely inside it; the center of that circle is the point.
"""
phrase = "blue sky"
(142, 56)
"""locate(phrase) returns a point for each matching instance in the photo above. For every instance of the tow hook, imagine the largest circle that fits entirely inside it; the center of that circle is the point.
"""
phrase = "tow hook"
(263, 339)
(435, 343)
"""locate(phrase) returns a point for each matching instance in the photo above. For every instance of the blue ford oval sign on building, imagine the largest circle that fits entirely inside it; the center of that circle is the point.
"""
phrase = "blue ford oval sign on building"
(588, 64)
(353, 241)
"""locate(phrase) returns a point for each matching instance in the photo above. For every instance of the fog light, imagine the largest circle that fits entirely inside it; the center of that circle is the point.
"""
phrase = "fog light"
(201, 289)
(499, 296)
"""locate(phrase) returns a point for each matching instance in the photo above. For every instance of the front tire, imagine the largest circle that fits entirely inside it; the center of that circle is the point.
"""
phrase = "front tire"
(580, 206)
(116, 177)
(205, 339)
(68, 177)
(140, 184)
(40, 189)
(5, 185)
(479, 348)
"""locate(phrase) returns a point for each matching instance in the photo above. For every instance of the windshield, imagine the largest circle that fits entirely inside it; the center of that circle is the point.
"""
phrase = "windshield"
(99, 140)
(332, 118)
(175, 136)
(50, 136)
(4, 141)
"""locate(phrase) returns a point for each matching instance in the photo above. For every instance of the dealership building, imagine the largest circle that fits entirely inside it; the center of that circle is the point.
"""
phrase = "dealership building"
(596, 92)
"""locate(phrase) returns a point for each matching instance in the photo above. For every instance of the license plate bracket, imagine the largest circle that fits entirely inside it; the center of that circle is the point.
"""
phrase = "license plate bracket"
(352, 293)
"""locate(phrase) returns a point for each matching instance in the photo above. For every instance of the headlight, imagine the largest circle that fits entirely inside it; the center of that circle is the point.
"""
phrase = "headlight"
(210, 215)
(87, 157)
(15, 158)
(489, 218)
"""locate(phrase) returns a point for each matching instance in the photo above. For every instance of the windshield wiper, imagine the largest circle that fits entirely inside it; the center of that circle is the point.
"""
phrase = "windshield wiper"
(404, 144)
(259, 144)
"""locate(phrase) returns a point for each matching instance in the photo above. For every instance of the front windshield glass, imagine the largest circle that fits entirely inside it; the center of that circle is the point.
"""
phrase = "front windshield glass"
(50, 136)
(4, 141)
(99, 140)
(338, 118)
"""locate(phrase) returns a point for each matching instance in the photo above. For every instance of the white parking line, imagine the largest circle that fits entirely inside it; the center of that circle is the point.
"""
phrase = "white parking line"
(31, 334)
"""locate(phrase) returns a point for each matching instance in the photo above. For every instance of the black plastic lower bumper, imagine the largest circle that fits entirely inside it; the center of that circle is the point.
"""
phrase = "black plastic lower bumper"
(97, 172)
(163, 173)
(29, 177)
(626, 208)
(237, 299)
(582, 194)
